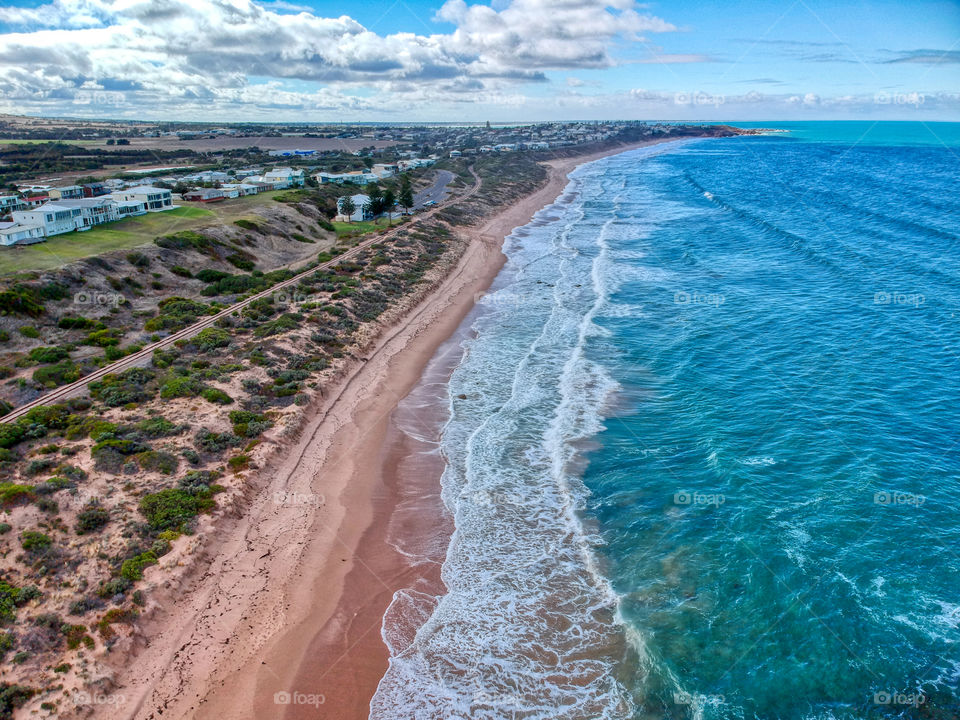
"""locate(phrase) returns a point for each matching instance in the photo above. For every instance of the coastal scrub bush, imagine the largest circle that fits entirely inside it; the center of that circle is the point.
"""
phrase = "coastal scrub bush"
(13, 597)
(130, 386)
(51, 376)
(12, 494)
(35, 542)
(247, 224)
(47, 355)
(241, 261)
(181, 386)
(29, 331)
(216, 396)
(19, 300)
(208, 275)
(157, 461)
(159, 426)
(187, 239)
(92, 519)
(174, 508)
(138, 259)
(181, 271)
(214, 442)
(71, 322)
(132, 568)
(13, 696)
(111, 455)
(210, 339)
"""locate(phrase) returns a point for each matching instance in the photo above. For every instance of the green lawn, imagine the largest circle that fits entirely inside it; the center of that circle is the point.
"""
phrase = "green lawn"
(124, 234)
(356, 229)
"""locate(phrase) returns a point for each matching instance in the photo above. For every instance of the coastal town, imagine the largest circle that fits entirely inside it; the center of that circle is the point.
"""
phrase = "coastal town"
(36, 206)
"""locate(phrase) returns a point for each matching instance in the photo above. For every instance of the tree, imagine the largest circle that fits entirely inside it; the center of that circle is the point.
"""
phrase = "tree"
(388, 200)
(376, 198)
(348, 207)
(406, 193)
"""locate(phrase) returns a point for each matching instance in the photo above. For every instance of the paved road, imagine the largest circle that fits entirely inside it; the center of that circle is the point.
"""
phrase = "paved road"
(146, 353)
(436, 193)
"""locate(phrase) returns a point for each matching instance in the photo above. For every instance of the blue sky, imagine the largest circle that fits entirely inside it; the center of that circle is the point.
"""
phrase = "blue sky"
(459, 60)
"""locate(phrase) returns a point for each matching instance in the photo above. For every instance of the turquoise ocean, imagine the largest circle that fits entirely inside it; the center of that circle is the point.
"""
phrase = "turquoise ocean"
(703, 450)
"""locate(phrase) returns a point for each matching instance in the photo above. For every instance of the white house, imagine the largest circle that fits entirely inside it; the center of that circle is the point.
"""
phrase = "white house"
(351, 178)
(154, 199)
(385, 170)
(9, 203)
(361, 212)
(14, 233)
(289, 176)
(129, 208)
(63, 216)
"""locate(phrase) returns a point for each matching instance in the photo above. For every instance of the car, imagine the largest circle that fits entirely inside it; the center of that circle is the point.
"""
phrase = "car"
(428, 203)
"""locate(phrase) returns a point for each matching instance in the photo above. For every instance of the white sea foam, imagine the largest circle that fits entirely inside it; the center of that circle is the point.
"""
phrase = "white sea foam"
(529, 623)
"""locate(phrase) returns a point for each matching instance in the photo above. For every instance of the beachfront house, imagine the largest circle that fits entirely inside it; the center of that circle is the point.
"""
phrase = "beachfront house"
(9, 203)
(287, 177)
(348, 178)
(361, 212)
(14, 233)
(385, 170)
(68, 192)
(97, 189)
(205, 195)
(154, 199)
(63, 216)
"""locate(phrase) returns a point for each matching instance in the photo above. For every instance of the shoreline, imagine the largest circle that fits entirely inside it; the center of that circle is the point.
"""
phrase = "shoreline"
(290, 597)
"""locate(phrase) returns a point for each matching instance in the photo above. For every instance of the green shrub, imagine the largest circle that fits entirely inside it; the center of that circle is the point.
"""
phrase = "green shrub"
(48, 355)
(105, 337)
(20, 300)
(247, 224)
(240, 261)
(159, 426)
(138, 259)
(210, 339)
(208, 275)
(174, 508)
(216, 396)
(187, 239)
(130, 386)
(158, 461)
(12, 494)
(69, 322)
(132, 568)
(12, 597)
(181, 271)
(214, 442)
(51, 376)
(181, 386)
(92, 519)
(29, 331)
(34, 541)
(12, 697)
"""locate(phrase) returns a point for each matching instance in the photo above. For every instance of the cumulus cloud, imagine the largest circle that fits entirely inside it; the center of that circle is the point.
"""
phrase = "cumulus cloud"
(193, 49)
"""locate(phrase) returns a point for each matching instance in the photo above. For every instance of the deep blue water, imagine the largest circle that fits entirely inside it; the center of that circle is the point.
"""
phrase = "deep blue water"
(707, 461)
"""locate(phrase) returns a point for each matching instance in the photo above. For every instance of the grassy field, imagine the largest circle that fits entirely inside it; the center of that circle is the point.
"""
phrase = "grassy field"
(124, 234)
(356, 229)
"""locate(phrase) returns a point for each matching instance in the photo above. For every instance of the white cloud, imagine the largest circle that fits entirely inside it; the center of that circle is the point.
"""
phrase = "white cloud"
(185, 50)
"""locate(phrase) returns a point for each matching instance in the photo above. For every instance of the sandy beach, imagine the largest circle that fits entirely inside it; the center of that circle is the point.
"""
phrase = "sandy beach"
(281, 616)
